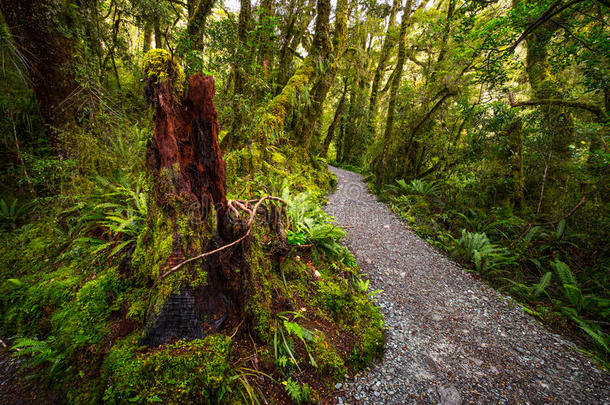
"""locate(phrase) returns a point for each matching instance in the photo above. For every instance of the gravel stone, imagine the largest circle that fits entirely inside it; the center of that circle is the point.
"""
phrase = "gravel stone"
(450, 338)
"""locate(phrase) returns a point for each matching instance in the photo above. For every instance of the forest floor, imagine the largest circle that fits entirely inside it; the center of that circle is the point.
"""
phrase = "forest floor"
(451, 338)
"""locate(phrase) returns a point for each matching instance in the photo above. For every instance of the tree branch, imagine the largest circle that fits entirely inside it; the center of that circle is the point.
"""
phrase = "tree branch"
(552, 11)
(566, 103)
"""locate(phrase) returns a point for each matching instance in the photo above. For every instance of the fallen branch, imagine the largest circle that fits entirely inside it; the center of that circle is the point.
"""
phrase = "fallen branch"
(240, 204)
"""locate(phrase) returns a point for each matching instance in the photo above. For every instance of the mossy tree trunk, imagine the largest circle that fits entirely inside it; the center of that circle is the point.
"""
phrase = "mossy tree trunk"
(242, 61)
(282, 105)
(299, 19)
(329, 56)
(41, 30)
(388, 44)
(400, 61)
(198, 12)
(333, 125)
(556, 118)
(148, 37)
(265, 37)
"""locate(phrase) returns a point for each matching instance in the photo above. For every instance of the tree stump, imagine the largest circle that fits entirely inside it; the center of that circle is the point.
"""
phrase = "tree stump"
(187, 206)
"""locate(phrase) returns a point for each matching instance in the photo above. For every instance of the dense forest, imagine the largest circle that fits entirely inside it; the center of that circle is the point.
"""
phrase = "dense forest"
(165, 165)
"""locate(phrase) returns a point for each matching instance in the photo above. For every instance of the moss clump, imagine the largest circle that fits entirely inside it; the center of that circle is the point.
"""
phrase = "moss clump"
(159, 66)
(358, 315)
(198, 371)
(329, 361)
(260, 286)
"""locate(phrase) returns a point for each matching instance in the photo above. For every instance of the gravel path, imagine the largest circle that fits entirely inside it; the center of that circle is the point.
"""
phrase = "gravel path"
(451, 339)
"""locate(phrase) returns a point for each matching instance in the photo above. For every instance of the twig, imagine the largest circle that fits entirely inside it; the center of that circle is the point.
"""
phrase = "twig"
(236, 329)
(569, 214)
(546, 168)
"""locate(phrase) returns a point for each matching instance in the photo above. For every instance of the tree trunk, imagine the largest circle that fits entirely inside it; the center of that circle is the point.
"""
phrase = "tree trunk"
(331, 128)
(51, 55)
(557, 118)
(197, 16)
(388, 44)
(148, 37)
(265, 37)
(299, 20)
(387, 137)
(233, 138)
(515, 134)
(339, 158)
(326, 79)
(288, 100)
(159, 40)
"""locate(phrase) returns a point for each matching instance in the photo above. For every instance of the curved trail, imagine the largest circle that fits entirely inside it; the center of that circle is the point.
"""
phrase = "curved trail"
(451, 339)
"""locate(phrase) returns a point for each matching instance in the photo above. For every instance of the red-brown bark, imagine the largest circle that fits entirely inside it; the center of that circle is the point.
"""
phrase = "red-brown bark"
(188, 179)
(186, 142)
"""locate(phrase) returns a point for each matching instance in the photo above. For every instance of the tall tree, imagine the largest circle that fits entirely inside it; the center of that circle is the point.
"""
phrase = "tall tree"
(240, 65)
(329, 56)
(396, 77)
(330, 133)
(388, 44)
(557, 118)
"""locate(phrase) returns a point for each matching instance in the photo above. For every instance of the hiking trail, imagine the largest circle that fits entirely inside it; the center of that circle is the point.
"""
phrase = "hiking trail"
(451, 338)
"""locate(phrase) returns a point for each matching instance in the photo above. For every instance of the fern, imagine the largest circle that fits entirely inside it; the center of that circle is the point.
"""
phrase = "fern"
(11, 213)
(570, 285)
(297, 392)
(477, 249)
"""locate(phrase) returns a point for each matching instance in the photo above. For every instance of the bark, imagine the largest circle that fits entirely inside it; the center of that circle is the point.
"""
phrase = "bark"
(443, 46)
(159, 40)
(388, 44)
(186, 142)
(148, 37)
(51, 55)
(340, 141)
(331, 128)
(265, 37)
(387, 137)
(297, 24)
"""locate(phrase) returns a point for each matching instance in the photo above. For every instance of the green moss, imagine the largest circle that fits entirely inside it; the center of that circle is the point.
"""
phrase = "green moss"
(358, 315)
(370, 344)
(159, 66)
(184, 372)
(329, 362)
(259, 288)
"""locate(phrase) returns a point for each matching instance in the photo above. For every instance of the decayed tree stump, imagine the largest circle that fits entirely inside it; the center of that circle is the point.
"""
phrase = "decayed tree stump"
(188, 205)
(185, 143)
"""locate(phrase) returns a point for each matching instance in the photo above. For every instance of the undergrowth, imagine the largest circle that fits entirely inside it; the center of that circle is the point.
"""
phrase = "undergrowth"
(73, 308)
